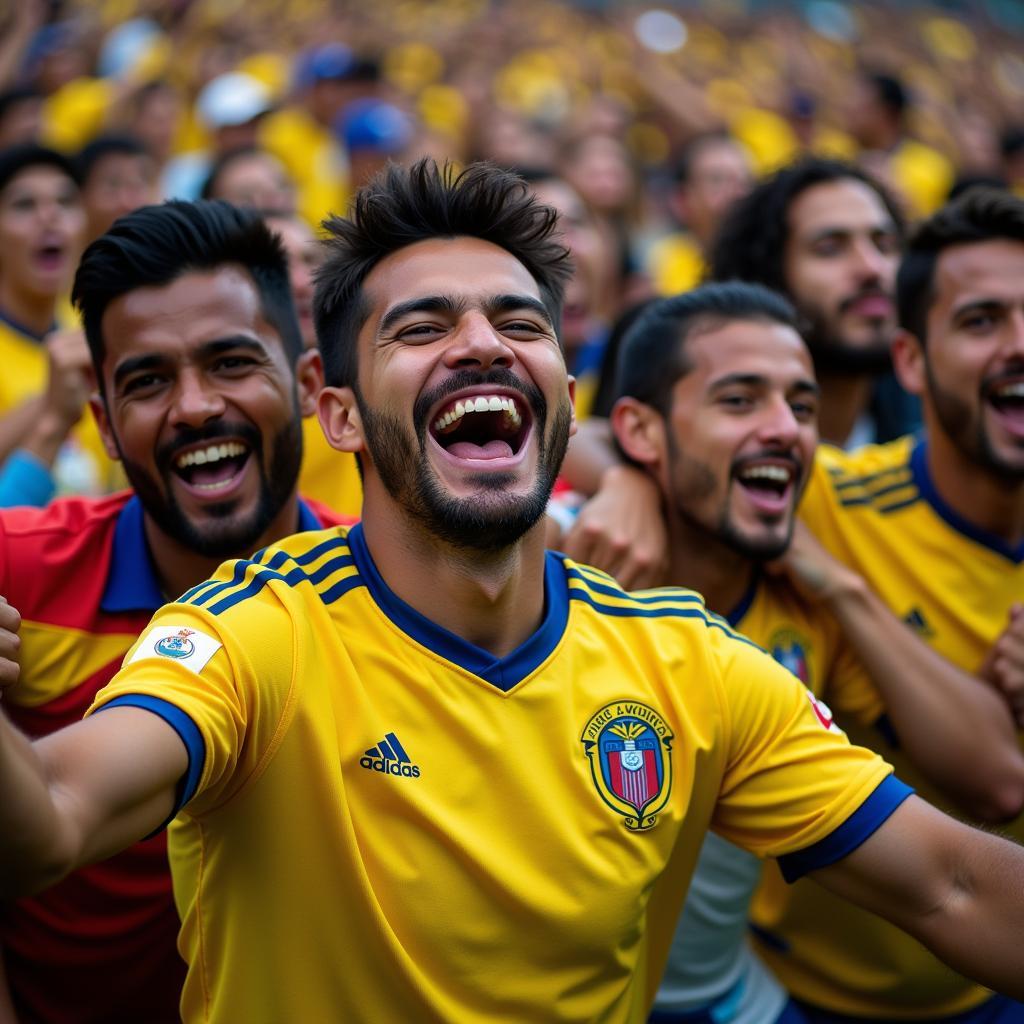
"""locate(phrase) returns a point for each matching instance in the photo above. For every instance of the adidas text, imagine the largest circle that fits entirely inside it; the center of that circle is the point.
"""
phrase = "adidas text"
(386, 767)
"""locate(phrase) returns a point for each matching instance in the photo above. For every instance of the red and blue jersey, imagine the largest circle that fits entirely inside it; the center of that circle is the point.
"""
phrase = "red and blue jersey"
(100, 945)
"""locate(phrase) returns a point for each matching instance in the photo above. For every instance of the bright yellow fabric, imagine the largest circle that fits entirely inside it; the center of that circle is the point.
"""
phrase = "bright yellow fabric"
(314, 159)
(493, 880)
(871, 509)
(675, 264)
(923, 175)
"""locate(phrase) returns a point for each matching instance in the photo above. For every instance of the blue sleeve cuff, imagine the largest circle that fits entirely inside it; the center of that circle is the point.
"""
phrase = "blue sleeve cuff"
(864, 821)
(25, 480)
(187, 731)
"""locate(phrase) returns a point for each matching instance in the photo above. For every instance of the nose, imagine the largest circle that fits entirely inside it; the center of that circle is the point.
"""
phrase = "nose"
(872, 264)
(1013, 339)
(779, 427)
(476, 343)
(196, 401)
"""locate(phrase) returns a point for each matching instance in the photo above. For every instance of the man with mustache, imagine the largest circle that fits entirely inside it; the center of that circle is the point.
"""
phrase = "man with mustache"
(203, 381)
(719, 405)
(935, 525)
(423, 770)
(827, 237)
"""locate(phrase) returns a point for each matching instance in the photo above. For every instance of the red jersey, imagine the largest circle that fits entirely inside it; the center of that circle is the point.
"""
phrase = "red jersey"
(100, 946)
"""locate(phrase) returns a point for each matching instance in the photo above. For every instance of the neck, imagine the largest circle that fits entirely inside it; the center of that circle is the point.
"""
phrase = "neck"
(844, 397)
(703, 563)
(178, 567)
(992, 503)
(32, 311)
(493, 600)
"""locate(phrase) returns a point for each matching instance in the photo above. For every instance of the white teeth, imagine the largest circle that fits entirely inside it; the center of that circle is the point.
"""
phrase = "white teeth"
(491, 403)
(777, 473)
(1011, 391)
(201, 456)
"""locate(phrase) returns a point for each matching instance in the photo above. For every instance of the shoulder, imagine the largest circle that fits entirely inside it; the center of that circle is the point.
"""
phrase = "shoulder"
(68, 541)
(659, 609)
(867, 476)
(315, 566)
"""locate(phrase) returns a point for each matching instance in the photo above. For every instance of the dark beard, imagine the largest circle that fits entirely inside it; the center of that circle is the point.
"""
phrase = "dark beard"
(833, 356)
(969, 437)
(221, 534)
(489, 521)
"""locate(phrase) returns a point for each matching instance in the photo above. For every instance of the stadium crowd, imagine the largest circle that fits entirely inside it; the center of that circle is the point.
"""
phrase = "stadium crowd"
(292, 477)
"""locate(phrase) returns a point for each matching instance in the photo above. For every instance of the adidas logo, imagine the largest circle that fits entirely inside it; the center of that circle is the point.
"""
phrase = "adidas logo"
(389, 758)
(918, 623)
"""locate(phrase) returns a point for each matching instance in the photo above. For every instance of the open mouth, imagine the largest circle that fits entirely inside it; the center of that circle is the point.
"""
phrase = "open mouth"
(1008, 398)
(49, 257)
(769, 485)
(482, 427)
(213, 468)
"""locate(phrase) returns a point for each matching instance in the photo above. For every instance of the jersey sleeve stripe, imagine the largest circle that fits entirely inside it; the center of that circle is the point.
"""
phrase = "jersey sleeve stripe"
(858, 827)
(189, 734)
(855, 482)
(676, 594)
(293, 578)
(906, 489)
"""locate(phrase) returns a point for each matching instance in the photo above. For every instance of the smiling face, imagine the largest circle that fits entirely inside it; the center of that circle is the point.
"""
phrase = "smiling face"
(840, 258)
(463, 409)
(41, 232)
(202, 407)
(974, 355)
(741, 434)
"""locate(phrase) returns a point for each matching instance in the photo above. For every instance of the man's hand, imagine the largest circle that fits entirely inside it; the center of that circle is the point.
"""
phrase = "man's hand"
(1004, 666)
(67, 389)
(622, 530)
(813, 572)
(10, 643)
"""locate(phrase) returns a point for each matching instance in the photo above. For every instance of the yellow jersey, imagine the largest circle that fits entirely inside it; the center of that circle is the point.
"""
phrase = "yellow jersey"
(82, 466)
(381, 821)
(327, 475)
(877, 510)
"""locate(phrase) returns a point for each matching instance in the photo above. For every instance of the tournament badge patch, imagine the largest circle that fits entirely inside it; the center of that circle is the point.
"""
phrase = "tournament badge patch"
(790, 650)
(629, 746)
(182, 644)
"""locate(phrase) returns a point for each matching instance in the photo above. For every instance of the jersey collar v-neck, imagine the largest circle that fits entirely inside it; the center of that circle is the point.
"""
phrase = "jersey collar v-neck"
(502, 673)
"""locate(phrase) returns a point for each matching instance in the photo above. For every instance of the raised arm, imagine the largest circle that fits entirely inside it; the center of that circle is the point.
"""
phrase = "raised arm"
(82, 793)
(959, 732)
(956, 889)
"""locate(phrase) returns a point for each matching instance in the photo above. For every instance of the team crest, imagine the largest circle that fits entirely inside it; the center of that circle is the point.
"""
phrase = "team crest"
(176, 646)
(790, 650)
(629, 746)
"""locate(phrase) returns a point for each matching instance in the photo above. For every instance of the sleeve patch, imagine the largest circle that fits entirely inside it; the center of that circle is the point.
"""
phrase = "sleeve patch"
(187, 646)
(823, 713)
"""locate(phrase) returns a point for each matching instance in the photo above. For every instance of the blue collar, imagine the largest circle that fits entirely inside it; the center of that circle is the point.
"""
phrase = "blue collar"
(22, 329)
(132, 583)
(926, 487)
(503, 673)
(736, 615)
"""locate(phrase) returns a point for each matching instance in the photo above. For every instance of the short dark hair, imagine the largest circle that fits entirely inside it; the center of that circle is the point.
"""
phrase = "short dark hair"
(16, 159)
(978, 215)
(402, 206)
(890, 91)
(752, 239)
(653, 354)
(155, 245)
(103, 146)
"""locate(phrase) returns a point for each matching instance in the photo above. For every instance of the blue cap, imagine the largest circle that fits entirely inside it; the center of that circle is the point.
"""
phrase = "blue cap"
(372, 124)
(332, 60)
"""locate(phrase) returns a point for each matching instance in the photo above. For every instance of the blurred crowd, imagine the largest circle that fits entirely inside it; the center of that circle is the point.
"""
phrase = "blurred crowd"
(641, 125)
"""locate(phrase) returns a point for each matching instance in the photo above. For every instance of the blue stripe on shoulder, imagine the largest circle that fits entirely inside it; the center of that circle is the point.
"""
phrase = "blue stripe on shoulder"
(612, 589)
(189, 734)
(858, 827)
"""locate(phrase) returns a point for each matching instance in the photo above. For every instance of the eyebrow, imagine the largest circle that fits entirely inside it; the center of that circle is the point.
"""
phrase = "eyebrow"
(139, 364)
(453, 305)
(842, 231)
(756, 380)
(980, 305)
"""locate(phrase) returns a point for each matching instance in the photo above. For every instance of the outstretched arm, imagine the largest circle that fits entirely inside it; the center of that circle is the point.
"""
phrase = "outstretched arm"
(959, 732)
(958, 890)
(82, 793)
